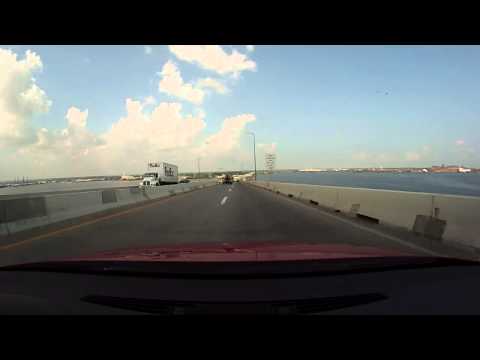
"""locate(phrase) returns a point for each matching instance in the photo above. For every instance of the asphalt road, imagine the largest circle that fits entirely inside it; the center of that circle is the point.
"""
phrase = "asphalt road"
(223, 213)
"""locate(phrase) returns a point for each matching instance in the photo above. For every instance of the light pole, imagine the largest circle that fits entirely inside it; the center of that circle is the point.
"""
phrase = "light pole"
(198, 159)
(254, 154)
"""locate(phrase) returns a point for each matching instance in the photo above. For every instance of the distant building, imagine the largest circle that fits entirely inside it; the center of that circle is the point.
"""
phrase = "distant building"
(311, 170)
(450, 169)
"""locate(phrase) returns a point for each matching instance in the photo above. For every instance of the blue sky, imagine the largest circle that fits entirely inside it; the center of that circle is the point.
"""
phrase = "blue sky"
(322, 106)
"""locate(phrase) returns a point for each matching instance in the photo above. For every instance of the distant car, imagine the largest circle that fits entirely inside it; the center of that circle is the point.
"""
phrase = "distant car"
(184, 181)
(227, 179)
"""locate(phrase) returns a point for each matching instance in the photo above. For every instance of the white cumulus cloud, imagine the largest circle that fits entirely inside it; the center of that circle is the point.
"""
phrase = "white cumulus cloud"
(214, 58)
(165, 134)
(222, 149)
(35, 100)
(213, 84)
(268, 148)
(133, 140)
(20, 97)
(72, 142)
(148, 50)
(460, 142)
(172, 83)
(227, 138)
(149, 100)
(164, 128)
(250, 48)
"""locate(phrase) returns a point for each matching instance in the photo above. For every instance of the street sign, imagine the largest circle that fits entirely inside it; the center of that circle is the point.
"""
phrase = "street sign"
(270, 162)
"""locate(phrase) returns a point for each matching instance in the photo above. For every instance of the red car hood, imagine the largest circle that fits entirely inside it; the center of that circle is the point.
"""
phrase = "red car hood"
(222, 252)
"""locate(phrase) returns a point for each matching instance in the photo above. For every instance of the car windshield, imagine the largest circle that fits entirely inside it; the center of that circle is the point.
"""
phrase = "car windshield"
(293, 153)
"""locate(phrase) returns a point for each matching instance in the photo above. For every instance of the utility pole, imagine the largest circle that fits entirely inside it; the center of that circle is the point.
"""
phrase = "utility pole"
(198, 164)
(254, 154)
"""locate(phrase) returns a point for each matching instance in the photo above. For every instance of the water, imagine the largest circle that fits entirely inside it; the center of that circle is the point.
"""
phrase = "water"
(455, 184)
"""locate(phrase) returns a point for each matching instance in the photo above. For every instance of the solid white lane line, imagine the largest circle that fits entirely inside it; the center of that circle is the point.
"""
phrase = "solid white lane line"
(224, 200)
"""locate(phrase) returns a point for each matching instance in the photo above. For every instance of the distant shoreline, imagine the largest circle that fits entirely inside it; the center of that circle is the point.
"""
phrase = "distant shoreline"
(433, 169)
(438, 169)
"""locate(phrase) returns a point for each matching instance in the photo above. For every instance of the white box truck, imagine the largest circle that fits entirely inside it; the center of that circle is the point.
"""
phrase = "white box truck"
(160, 173)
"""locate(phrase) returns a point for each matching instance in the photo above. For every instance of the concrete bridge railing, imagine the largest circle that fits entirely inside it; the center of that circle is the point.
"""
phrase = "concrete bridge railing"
(438, 216)
(19, 213)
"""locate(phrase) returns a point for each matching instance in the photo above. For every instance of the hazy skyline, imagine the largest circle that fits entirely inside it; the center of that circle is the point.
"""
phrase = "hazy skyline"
(87, 110)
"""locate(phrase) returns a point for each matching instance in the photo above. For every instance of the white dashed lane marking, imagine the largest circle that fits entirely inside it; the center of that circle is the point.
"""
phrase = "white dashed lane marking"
(224, 200)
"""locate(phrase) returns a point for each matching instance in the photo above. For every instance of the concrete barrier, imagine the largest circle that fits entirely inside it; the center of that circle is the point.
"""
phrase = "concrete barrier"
(446, 217)
(124, 196)
(109, 196)
(4, 230)
(68, 202)
(462, 216)
(129, 196)
(22, 213)
(66, 206)
(27, 212)
(326, 196)
(156, 192)
(391, 207)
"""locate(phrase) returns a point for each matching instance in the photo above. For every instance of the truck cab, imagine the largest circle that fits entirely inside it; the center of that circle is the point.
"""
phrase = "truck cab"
(150, 179)
(227, 179)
